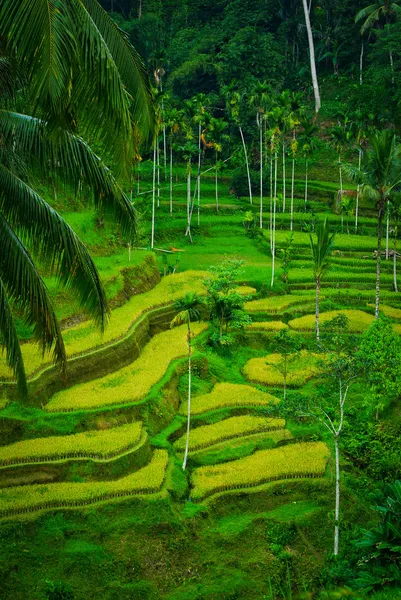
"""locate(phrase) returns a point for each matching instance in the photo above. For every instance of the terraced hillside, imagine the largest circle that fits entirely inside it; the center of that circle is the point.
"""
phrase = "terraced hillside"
(93, 462)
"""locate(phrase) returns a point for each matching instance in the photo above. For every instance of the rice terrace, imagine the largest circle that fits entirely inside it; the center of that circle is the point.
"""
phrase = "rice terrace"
(200, 315)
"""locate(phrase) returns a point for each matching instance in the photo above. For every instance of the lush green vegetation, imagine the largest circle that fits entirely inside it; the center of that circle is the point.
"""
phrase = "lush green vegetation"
(202, 235)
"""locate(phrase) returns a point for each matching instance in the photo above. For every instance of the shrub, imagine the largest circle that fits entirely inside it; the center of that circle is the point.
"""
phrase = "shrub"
(359, 321)
(288, 462)
(101, 445)
(132, 383)
(276, 304)
(264, 370)
(86, 336)
(27, 499)
(226, 395)
(233, 427)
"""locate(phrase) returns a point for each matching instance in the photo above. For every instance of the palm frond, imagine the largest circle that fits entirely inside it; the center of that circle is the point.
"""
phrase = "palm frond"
(30, 138)
(53, 240)
(27, 292)
(9, 341)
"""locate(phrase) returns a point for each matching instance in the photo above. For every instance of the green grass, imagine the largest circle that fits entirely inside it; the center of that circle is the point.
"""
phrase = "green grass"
(359, 321)
(130, 384)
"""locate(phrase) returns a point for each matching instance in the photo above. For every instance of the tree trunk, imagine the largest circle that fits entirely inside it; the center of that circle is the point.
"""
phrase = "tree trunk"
(184, 464)
(361, 64)
(152, 242)
(273, 247)
(378, 259)
(392, 66)
(306, 182)
(138, 188)
(261, 176)
(395, 262)
(199, 169)
(171, 179)
(358, 192)
(285, 378)
(292, 195)
(189, 200)
(284, 190)
(217, 186)
(247, 165)
(165, 150)
(337, 508)
(387, 227)
(312, 57)
(271, 201)
(317, 308)
(140, 9)
(341, 174)
(158, 174)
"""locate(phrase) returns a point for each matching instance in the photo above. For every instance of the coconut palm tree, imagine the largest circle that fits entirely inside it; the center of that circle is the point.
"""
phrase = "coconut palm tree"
(188, 310)
(379, 179)
(321, 250)
(308, 143)
(217, 127)
(312, 56)
(83, 88)
(375, 13)
(258, 99)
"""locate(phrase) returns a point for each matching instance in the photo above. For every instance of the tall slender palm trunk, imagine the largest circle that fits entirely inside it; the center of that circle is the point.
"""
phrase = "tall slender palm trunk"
(158, 174)
(378, 259)
(361, 63)
(171, 179)
(284, 190)
(337, 505)
(199, 170)
(271, 201)
(358, 191)
(217, 184)
(273, 249)
(292, 195)
(317, 310)
(247, 165)
(306, 182)
(395, 261)
(312, 56)
(152, 241)
(261, 176)
(189, 200)
(184, 464)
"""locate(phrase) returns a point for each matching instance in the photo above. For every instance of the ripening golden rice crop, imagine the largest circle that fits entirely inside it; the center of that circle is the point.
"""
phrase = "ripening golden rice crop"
(359, 320)
(85, 336)
(276, 304)
(307, 459)
(30, 498)
(268, 370)
(226, 395)
(389, 311)
(99, 445)
(132, 383)
(233, 427)
(266, 326)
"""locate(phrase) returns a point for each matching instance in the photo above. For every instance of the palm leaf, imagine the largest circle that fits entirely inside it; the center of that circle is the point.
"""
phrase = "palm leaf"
(42, 228)
(29, 137)
(9, 340)
(27, 292)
